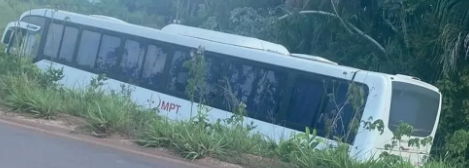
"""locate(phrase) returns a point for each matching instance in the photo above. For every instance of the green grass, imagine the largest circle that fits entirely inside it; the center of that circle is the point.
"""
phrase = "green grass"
(7, 14)
(23, 88)
(11, 10)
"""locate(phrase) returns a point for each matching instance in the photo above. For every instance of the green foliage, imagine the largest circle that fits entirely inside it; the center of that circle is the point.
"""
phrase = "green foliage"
(428, 39)
(457, 145)
(196, 67)
(26, 95)
(26, 89)
(113, 112)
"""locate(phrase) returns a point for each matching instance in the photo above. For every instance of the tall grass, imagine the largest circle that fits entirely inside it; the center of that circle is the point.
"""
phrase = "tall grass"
(24, 88)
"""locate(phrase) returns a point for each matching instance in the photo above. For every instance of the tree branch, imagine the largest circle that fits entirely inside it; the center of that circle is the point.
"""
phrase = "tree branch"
(348, 23)
(337, 14)
(390, 25)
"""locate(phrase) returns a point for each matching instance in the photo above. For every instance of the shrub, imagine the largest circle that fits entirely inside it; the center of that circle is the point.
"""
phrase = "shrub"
(24, 88)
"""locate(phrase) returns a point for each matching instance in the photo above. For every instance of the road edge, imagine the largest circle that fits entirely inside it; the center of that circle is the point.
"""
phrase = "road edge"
(29, 126)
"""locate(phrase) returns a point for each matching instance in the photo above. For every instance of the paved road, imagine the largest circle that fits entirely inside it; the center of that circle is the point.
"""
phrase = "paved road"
(22, 148)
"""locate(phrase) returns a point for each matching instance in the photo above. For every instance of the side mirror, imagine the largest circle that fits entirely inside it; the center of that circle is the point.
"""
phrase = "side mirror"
(7, 36)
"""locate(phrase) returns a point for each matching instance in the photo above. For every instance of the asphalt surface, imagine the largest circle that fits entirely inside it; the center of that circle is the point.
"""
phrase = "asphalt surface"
(23, 148)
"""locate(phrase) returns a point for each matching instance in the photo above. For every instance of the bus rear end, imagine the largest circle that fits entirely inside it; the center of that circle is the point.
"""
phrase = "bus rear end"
(416, 104)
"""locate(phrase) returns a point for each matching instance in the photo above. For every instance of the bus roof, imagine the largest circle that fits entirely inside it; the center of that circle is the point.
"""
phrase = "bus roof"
(108, 18)
(226, 38)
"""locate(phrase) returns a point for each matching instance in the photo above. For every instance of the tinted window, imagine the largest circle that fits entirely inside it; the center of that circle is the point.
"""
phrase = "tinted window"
(108, 53)
(240, 79)
(7, 37)
(88, 49)
(54, 36)
(68, 43)
(267, 94)
(413, 105)
(259, 88)
(153, 66)
(213, 92)
(323, 104)
(178, 73)
(132, 59)
(306, 100)
(341, 109)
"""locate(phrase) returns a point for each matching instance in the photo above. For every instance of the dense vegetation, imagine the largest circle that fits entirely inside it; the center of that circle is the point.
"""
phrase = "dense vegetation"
(424, 38)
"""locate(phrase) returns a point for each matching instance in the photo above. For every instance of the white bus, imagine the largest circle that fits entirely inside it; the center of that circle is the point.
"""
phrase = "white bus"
(284, 92)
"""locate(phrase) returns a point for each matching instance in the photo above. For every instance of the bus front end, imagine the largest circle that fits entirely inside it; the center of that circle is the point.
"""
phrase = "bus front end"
(20, 37)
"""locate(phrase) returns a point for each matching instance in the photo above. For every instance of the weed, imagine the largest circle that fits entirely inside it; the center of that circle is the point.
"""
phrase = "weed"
(26, 89)
(26, 96)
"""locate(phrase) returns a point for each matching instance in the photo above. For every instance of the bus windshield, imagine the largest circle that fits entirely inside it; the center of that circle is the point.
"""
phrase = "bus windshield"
(26, 43)
(413, 105)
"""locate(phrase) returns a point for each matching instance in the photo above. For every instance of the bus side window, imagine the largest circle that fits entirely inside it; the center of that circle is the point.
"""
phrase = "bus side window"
(267, 92)
(259, 88)
(132, 60)
(54, 36)
(108, 53)
(306, 102)
(338, 112)
(68, 44)
(178, 74)
(212, 91)
(153, 66)
(88, 49)
(238, 84)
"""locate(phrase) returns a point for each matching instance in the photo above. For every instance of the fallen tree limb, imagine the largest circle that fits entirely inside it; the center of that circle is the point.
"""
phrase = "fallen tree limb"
(380, 47)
